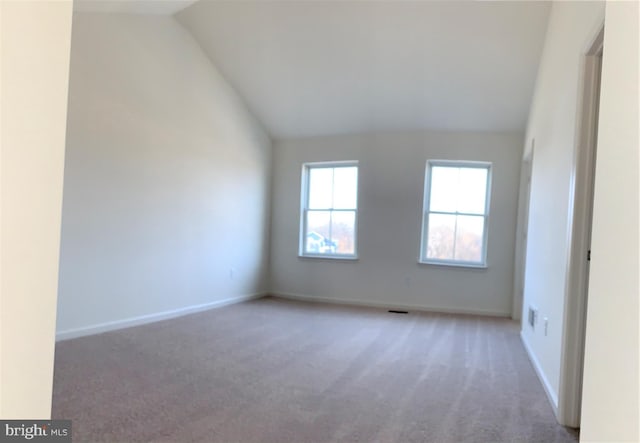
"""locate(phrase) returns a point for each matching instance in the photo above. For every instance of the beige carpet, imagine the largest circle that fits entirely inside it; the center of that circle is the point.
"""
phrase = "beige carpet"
(273, 370)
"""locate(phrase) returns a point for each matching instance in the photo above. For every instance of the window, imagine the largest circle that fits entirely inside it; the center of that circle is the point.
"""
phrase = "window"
(456, 213)
(329, 210)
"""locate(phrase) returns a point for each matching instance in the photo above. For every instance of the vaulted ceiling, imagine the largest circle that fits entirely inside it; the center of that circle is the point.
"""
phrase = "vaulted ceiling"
(156, 7)
(322, 67)
(326, 67)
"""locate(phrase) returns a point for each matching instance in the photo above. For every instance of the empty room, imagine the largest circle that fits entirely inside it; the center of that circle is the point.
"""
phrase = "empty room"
(320, 221)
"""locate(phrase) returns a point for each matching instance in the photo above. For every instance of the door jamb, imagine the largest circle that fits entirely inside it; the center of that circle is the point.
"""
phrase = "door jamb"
(579, 237)
(522, 232)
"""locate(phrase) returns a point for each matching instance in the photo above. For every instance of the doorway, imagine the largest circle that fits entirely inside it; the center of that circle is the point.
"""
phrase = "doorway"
(579, 240)
(522, 231)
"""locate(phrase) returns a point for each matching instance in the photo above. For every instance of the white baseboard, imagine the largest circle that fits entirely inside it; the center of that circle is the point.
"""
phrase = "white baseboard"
(150, 318)
(551, 395)
(388, 305)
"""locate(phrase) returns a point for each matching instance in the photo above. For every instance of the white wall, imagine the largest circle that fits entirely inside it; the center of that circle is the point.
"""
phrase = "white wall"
(166, 179)
(36, 38)
(391, 183)
(552, 123)
(610, 394)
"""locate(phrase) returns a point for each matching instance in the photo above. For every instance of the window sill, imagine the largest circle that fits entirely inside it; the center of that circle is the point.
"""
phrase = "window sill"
(479, 266)
(329, 257)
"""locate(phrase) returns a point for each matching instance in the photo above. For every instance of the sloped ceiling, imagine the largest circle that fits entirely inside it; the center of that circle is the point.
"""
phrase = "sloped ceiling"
(157, 7)
(309, 68)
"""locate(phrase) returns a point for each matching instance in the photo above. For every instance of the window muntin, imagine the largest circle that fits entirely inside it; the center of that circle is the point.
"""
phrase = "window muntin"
(329, 210)
(456, 213)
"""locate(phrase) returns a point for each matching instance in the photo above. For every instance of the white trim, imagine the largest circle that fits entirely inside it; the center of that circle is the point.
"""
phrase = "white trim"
(329, 257)
(455, 264)
(304, 208)
(551, 395)
(331, 163)
(522, 232)
(388, 305)
(426, 211)
(151, 318)
(580, 215)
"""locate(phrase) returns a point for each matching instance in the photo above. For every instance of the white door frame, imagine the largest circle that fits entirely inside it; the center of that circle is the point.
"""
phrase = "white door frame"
(579, 237)
(522, 232)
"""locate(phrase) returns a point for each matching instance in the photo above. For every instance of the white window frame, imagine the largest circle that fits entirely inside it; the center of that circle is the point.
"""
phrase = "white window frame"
(304, 209)
(422, 257)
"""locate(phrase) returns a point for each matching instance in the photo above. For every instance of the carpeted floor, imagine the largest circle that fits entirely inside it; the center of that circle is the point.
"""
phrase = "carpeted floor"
(273, 370)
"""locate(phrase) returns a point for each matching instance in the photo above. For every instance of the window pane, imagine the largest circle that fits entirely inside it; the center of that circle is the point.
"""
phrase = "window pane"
(330, 210)
(440, 236)
(318, 232)
(342, 231)
(469, 234)
(320, 188)
(444, 189)
(472, 190)
(345, 188)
